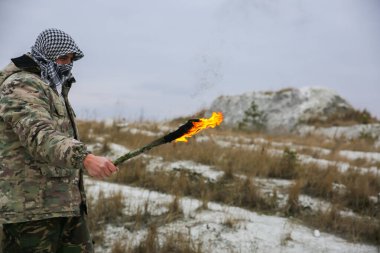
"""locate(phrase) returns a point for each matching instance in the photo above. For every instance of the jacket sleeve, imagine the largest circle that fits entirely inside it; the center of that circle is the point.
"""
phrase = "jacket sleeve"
(25, 106)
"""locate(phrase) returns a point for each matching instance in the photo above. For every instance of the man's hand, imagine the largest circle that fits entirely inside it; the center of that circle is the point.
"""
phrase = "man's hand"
(98, 166)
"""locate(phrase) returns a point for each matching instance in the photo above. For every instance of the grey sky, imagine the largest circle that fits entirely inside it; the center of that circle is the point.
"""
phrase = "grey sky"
(160, 59)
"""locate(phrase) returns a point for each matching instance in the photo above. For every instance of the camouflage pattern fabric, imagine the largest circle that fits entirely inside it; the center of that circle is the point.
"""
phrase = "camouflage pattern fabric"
(58, 235)
(41, 162)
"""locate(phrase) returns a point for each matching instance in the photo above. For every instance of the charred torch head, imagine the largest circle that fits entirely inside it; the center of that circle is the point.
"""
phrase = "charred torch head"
(182, 130)
(193, 126)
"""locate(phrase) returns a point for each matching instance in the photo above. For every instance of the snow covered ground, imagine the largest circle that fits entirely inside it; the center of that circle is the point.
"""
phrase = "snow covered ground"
(250, 232)
(223, 228)
(211, 227)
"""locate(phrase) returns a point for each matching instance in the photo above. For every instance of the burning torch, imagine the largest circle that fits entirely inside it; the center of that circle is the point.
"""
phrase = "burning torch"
(187, 130)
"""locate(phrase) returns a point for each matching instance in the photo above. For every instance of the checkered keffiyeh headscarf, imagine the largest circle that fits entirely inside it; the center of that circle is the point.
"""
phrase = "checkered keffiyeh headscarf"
(49, 45)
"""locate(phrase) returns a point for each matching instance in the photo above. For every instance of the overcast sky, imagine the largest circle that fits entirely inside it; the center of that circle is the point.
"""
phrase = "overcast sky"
(161, 59)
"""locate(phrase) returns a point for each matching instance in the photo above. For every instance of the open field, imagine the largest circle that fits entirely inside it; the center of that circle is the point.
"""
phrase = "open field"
(231, 191)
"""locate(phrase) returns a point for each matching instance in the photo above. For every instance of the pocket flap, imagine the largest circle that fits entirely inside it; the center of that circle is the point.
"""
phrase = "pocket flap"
(50, 171)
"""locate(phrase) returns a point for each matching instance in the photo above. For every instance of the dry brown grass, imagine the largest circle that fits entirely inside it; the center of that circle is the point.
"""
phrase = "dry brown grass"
(335, 156)
(347, 118)
(229, 160)
(312, 180)
(174, 210)
(319, 183)
(359, 189)
(119, 247)
(356, 191)
(228, 189)
(363, 143)
(231, 222)
(173, 243)
(141, 218)
(103, 210)
(233, 190)
(356, 229)
(292, 207)
(88, 130)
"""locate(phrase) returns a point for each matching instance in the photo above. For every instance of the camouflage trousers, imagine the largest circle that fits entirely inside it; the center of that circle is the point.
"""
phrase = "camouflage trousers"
(55, 235)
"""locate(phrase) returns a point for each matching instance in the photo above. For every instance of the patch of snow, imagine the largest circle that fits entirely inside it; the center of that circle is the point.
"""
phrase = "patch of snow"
(205, 171)
(353, 155)
(143, 132)
(350, 132)
(116, 150)
(251, 232)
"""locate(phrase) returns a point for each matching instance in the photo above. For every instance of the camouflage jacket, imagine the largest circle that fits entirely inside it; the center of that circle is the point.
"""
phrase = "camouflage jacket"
(41, 160)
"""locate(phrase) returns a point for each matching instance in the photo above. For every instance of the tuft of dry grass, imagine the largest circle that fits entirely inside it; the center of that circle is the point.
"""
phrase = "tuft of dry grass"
(231, 223)
(103, 210)
(174, 210)
(181, 244)
(319, 183)
(292, 207)
(119, 247)
(176, 243)
(359, 189)
(286, 238)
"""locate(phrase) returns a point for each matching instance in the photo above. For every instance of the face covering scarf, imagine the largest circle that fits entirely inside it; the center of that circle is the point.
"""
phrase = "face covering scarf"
(49, 45)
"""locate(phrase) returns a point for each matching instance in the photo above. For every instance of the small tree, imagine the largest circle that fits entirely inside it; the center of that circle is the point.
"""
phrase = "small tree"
(253, 119)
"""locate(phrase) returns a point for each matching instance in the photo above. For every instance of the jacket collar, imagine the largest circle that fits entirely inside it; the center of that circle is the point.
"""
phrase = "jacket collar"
(26, 63)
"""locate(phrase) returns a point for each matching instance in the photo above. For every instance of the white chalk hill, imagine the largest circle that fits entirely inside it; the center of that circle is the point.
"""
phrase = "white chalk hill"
(283, 110)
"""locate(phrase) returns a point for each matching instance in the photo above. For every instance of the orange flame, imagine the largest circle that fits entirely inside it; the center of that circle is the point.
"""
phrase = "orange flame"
(215, 120)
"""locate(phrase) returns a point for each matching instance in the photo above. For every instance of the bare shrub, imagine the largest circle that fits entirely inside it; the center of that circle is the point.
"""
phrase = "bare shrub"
(292, 205)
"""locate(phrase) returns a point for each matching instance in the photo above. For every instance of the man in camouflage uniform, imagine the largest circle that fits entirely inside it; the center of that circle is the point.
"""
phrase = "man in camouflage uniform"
(42, 198)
